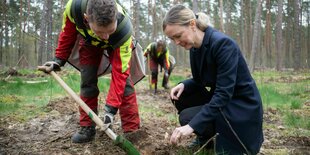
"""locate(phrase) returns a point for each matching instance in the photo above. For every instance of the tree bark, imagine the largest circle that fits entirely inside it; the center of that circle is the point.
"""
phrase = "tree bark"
(296, 36)
(279, 38)
(136, 21)
(268, 34)
(195, 6)
(50, 42)
(255, 40)
(308, 39)
(222, 29)
(42, 42)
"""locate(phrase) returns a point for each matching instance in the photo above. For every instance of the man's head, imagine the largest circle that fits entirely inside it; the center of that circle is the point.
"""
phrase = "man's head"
(102, 17)
(160, 45)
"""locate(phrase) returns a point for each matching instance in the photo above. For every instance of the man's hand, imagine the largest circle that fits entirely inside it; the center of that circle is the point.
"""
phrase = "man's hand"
(51, 66)
(108, 119)
(108, 116)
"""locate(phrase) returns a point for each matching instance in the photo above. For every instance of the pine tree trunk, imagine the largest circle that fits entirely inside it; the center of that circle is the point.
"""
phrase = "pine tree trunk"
(257, 26)
(296, 36)
(279, 39)
(42, 42)
(222, 29)
(268, 33)
(136, 15)
(50, 41)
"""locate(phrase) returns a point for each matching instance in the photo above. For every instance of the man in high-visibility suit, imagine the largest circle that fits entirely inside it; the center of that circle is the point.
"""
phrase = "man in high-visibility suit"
(158, 54)
(104, 26)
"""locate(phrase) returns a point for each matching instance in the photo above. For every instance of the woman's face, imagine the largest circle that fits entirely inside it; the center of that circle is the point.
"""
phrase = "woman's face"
(103, 32)
(181, 35)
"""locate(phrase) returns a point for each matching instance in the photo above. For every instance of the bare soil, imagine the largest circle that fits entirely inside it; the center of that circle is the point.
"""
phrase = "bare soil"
(50, 133)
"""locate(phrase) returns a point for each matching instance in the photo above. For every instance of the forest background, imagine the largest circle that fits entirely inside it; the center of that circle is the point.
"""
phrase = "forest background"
(271, 33)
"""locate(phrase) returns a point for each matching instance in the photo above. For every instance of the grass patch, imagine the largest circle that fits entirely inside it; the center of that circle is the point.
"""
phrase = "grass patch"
(9, 103)
(28, 98)
(287, 92)
(296, 120)
(174, 80)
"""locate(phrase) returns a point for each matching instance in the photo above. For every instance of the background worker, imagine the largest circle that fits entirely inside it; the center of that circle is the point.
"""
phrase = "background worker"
(221, 97)
(102, 25)
(157, 54)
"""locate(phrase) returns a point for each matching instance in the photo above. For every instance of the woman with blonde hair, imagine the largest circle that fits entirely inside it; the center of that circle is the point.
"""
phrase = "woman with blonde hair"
(221, 98)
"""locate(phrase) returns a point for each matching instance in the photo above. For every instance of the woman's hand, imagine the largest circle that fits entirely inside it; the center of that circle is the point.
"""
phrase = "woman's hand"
(177, 91)
(179, 132)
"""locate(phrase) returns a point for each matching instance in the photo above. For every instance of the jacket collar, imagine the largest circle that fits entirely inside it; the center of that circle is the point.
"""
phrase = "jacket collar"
(208, 33)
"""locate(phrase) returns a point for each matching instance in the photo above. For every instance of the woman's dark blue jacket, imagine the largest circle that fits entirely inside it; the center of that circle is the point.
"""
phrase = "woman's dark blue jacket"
(219, 66)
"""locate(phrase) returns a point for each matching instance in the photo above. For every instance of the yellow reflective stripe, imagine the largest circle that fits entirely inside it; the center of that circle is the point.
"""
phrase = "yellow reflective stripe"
(158, 52)
(125, 54)
(148, 48)
(167, 57)
(67, 13)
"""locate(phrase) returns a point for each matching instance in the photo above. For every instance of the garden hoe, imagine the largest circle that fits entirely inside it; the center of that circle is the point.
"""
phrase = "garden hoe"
(120, 141)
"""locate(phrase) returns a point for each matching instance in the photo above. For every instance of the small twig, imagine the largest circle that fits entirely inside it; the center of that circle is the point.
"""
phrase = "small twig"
(204, 145)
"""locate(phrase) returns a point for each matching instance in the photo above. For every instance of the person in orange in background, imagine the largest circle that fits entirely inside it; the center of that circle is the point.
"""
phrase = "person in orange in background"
(158, 54)
(102, 26)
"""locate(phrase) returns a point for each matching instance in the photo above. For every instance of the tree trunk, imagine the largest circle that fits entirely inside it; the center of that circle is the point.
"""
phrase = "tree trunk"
(154, 34)
(148, 21)
(20, 37)
(248, 27)
(228, 24)
(296, 36)
(268, 34)
(242, 28)
(2, 17)
(42, 42)
(308, 39)
(195, 6)
(6, 37)
(279, 39)
(136, 21)
(50, 42)
(222, 29)
(255, 40)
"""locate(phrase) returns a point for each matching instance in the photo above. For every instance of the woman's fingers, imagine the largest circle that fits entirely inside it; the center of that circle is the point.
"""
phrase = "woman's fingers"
(176, 136)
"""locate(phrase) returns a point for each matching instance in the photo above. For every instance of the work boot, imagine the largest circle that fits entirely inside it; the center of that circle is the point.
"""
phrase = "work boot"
(165, 81)
(166, 86)
(85, 134)
(154, 87)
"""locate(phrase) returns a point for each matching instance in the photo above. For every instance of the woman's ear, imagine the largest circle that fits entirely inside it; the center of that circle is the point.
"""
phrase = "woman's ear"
(192, 24)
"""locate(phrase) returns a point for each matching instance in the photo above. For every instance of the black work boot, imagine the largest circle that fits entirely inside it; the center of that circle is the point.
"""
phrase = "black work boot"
(85, 134)
(165, 81)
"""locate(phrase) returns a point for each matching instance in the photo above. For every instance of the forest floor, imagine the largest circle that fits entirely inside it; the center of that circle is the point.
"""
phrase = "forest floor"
(50, 133)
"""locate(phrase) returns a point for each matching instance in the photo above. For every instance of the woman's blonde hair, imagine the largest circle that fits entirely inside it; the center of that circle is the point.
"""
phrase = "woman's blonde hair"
(181, 15)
